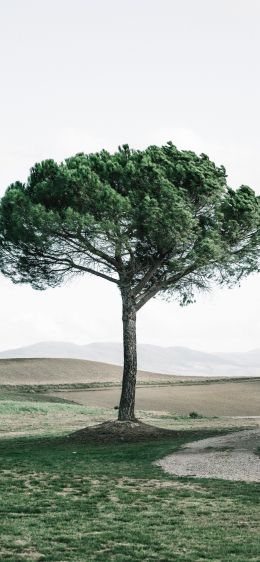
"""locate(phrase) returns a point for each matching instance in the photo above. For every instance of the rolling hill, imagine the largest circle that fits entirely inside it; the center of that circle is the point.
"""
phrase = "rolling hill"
(43, 371)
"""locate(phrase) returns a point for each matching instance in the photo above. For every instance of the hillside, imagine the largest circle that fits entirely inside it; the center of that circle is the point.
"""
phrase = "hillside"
(64, 371)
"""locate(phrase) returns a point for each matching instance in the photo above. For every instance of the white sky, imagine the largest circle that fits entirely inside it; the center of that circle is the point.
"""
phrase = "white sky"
(81, 75)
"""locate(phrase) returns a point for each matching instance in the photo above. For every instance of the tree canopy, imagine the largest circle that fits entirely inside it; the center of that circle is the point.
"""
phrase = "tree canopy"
(155, 221)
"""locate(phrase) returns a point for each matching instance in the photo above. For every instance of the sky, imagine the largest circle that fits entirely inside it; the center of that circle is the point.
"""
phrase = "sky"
(82, 75)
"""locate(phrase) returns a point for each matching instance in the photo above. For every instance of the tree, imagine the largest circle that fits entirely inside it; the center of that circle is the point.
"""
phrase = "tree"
(154, 222)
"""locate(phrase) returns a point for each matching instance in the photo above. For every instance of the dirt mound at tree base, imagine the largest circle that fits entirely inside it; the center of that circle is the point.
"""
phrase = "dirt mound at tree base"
(120, 432)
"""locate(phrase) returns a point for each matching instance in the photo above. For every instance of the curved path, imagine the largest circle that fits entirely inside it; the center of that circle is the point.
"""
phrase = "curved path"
(235, 456)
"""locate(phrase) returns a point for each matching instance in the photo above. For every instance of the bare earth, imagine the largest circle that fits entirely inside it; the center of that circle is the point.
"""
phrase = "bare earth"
(228, 457)
(62, 371)
(216, 399)
(172, 394)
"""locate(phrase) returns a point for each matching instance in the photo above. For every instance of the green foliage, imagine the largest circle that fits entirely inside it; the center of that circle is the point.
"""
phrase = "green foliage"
(154, 221)
(16, 407)
(195, 415)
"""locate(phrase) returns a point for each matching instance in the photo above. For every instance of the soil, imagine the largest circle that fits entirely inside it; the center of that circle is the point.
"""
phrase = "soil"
(228, 457)
(230, 398)
(120, 432)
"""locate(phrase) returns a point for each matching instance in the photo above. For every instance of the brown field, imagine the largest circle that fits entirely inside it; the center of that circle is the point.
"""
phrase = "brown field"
(219, 399)
(177, 395)
(63, 371)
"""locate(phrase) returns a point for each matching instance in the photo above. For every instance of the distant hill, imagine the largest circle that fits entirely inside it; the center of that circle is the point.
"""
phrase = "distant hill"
(66, 371)
(169, 360)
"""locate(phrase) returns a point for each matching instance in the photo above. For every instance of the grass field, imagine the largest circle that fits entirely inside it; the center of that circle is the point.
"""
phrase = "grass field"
(63, 502)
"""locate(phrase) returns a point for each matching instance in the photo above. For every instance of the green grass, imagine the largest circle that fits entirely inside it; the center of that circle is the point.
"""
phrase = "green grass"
(22, 413)
(21, 394)
(83, 503)
(46, 408)
(100, 503)
(86, 503)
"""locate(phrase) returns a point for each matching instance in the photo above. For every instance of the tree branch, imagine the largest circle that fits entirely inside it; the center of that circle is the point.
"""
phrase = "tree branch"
(68, 261)
(162, 283)
(148, 275)
(149, 295)
(92, 248)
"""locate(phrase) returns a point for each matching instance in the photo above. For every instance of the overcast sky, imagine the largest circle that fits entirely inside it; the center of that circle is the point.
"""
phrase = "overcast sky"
(82, 75)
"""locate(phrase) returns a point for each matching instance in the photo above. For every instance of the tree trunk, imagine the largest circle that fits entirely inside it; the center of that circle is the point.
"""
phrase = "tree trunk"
(127, 401)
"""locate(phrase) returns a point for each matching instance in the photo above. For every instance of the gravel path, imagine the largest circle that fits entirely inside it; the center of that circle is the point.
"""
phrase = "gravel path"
(230, 457)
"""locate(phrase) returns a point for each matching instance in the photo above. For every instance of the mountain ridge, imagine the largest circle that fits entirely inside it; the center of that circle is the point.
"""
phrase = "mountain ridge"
(153, 358)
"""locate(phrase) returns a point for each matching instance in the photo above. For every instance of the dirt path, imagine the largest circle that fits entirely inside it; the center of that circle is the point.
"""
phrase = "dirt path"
(229, 457)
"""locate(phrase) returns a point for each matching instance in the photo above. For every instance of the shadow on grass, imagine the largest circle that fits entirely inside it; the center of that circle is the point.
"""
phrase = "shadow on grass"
(75, 502)
(51, 453)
